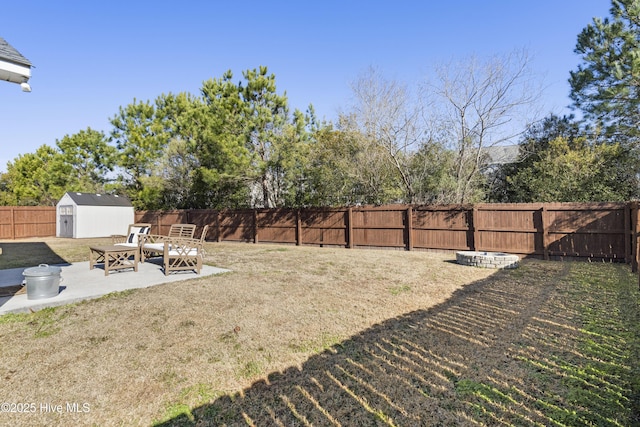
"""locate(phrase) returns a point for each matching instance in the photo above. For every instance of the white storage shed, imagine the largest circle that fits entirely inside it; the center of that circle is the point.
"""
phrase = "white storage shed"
(80, 215)
(14, 67)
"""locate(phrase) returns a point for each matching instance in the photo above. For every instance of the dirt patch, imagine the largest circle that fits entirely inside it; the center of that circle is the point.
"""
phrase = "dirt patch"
(294, 335)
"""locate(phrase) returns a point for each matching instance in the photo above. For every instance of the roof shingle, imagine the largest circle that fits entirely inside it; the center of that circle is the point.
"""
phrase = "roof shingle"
(90, 199)
(10, 54)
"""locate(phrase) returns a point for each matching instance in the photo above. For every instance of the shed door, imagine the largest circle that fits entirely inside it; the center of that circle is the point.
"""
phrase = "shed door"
(66, 221)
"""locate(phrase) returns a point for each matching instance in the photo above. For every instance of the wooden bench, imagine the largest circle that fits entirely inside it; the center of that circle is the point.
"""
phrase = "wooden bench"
(153, 244)
(178, 253)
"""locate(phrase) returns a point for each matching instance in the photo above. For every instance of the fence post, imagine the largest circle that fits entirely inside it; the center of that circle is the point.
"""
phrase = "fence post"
(627, 232)
(409, 228)
(545, 236)
(255, 226)
(636, 241)
(218, 233)
(350, 227)
(13, 224)
(474, 229)
(298, 228)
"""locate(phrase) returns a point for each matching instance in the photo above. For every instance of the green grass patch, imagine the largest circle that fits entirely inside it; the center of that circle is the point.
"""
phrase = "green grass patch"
(250, 369)
(588, 376)
(189, 397)
(15, 318)
(46, 322)
(397, 290)
(324, 342)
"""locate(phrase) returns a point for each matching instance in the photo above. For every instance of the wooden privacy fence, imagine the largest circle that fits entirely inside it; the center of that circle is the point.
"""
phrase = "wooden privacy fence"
(18, 222)
(607, 231)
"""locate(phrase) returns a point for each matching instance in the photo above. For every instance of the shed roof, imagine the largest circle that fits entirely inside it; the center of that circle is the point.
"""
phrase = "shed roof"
(9, 53)
(91, 199)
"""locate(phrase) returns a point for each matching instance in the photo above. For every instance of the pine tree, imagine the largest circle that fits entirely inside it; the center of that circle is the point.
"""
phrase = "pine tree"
(606, 88)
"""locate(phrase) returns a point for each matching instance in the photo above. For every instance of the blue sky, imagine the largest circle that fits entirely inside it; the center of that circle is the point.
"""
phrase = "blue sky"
(91, 58)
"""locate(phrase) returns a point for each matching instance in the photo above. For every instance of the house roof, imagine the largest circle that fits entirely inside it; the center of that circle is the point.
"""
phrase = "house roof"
(501, 154)
(10, 54)
(91, 199)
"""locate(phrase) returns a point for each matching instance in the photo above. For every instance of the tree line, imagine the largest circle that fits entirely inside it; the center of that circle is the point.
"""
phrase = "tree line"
(238, 144)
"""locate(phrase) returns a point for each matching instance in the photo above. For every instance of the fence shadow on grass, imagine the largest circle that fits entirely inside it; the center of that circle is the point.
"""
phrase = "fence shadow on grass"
(27, 254)
(500, 351)
(22, 255)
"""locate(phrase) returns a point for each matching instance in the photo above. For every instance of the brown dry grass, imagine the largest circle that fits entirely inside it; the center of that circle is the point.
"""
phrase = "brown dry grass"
(318, 336)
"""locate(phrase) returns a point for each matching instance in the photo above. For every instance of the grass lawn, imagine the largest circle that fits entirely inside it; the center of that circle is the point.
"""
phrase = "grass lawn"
(330, 336)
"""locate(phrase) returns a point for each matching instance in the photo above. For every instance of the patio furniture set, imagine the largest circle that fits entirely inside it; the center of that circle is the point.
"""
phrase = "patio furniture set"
(179, 249)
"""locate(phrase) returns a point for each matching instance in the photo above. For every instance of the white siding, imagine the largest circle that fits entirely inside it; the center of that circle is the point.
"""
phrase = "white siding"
(102, 221)
(94, 220)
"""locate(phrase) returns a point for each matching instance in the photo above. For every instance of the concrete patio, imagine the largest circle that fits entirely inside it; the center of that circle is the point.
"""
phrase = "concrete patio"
(80, 283)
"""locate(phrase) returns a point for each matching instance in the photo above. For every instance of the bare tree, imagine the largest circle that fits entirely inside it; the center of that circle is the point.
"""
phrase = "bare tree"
(477, 105)
(387, 118)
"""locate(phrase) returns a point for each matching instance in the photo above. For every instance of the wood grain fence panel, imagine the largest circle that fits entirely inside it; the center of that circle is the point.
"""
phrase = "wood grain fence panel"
(161, 220)
(324, 236)
(512, 228)
(380, 227)
(237, 225)
(379, 237)
(277, 225)
(6, 223)
(507, 219)
(586, 245)
(278, 234)
(19, 222)
(202, 217)
(152, 217)
(6, 231)
(440, 219)
(441, 239)
(324, 226)
(174, 217)
(521, 243)
(327, 218)
(588, 230)
(581, 219)
(377, 218)
(441, 227)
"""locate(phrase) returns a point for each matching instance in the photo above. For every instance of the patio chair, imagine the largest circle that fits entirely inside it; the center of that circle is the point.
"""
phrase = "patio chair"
(180, 254)
(153, 244)
(182, 230)
(132, 238)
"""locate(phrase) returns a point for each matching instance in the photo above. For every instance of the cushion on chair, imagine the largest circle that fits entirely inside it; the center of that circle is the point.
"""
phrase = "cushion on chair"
(157, 247)
(133, 235)
(129, 245)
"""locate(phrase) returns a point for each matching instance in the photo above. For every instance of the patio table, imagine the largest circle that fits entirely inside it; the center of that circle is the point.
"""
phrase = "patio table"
(114, 257)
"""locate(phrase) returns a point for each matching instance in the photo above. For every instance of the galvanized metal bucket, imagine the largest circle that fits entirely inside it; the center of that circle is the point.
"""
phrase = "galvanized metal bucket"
(42, 281)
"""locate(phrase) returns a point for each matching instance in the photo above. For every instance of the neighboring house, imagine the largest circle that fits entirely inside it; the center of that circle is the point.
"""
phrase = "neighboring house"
(501, 154)
(14, 67)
